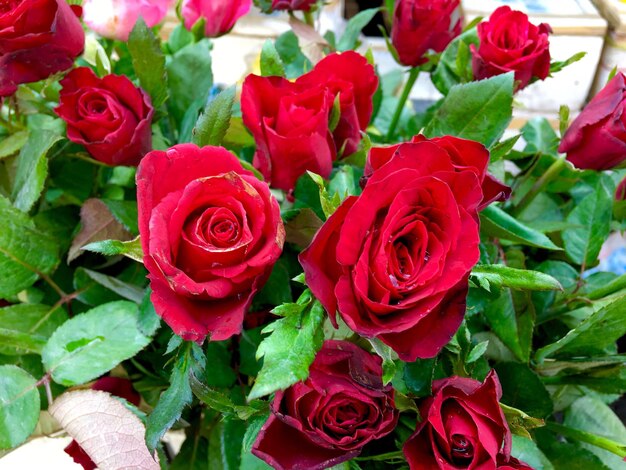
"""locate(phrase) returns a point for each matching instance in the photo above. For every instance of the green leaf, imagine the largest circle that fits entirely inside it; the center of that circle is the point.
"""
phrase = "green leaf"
(90, 344)
(477, 352)
(566, 456)
(497, 223)
(540, 137)
(453, 67)
(519, 422)
(294, 60)
(223, 404)
(418, 376)
(225, 445)
(329, 204)
(32, 168)
(172, 401)
(592, 218)
(558, 66)
(237, 136)
(148, 62)
(27, 327)
(591, 415)
(12, 143)
(25, 252)
(478, 111)
(290, 348)
(125, 212)
(190, 78)
(601, 329)
(277, 289)
(19, 406)
(214, 121)
(271, 63)
(499, 275)
(149, 322)
(121, 288)
(354, 27)
(511, 316)
(131, 249)
(522, 389)
(502, 148)
(388, 356)
(527, 451)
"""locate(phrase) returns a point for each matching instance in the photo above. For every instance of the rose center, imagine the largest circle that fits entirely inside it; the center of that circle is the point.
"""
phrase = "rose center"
(462, 449)
(220, 227)
(97, 106)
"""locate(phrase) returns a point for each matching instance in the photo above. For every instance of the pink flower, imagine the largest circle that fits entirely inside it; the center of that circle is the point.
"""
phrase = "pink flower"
(220, 15)
(115, 19)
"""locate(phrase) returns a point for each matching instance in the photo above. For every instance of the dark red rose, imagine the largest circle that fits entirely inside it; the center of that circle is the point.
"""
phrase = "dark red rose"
(210, 233)
(395, 260)
(596, 140)
(420, 25)
(464, 154)
(38, 38)
(117, 386)
(462, 427)
(620, 193)
(328, 418)
(509, 42)
(512, 464)
(303, 5)
(109, 116)
(290, 120)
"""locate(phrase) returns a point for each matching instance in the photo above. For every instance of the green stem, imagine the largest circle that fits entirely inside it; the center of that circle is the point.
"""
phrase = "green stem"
(589, 438)
(413, 74)
(550, 174)
(309, 19)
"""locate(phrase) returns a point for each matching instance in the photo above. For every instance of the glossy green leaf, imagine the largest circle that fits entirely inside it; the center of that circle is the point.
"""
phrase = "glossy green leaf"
(527, 451)
(27, 327)
(92, 343)
(497, 223)
(355, 25)
(214, 121)
(12, 143)
(271, 63)
(148, 62)
(498, 275)
(452, 69)
(522, 389)
(131, 249)
(478, 111)
(19, 406)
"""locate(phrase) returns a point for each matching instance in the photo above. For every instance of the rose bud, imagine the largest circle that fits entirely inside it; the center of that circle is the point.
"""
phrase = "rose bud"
(422, 25)
(115, 19)
(220, 15)
(462, 427)
(395, 261)
(109, 116)
(117, 386)
(293, 5)
(509, 42)
(596, 140)
(38, 38)
(328, 418)
(464, 154)
(210, 232)
(290, 121)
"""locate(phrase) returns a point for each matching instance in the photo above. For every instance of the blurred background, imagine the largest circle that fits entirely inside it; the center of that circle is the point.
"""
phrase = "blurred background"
(597, 27)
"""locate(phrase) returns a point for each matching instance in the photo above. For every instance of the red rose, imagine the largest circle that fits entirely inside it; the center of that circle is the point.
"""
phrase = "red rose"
(293, 5)
(220, 15)
(110, 116)
(328, 418)
(464, 154)
(596, 140)
(462, 427)
(210, 233)
(511, 43)
(290, 120)
(512, 464)
(395, 261)
(119, 387)
(38, 38)
(420, 25)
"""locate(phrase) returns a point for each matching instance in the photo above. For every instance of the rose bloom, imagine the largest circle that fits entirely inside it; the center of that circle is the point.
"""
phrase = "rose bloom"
(421, 25)
(395, 260)
(293, 5)
(328, 418)
(512, 464)
(596, 140)
(210, 232)
(38, 38)
(115, 19)
(220, 15)
(290, 120)
(462, 427)
(117, 386)
(109, 116)
(509, 42)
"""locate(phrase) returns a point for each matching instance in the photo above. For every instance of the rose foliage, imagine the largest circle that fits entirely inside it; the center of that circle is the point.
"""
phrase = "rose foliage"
(301, 271)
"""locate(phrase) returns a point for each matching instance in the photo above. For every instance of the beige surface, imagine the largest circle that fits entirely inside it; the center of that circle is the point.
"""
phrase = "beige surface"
(43, 453)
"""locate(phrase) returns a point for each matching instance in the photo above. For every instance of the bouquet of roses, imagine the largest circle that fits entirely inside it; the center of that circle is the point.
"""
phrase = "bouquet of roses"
(302, 271)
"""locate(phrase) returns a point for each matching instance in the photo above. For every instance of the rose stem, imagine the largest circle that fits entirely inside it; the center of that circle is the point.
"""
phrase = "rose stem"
(539, 185)
(589, 438)
(413, 74)
(308, 19)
